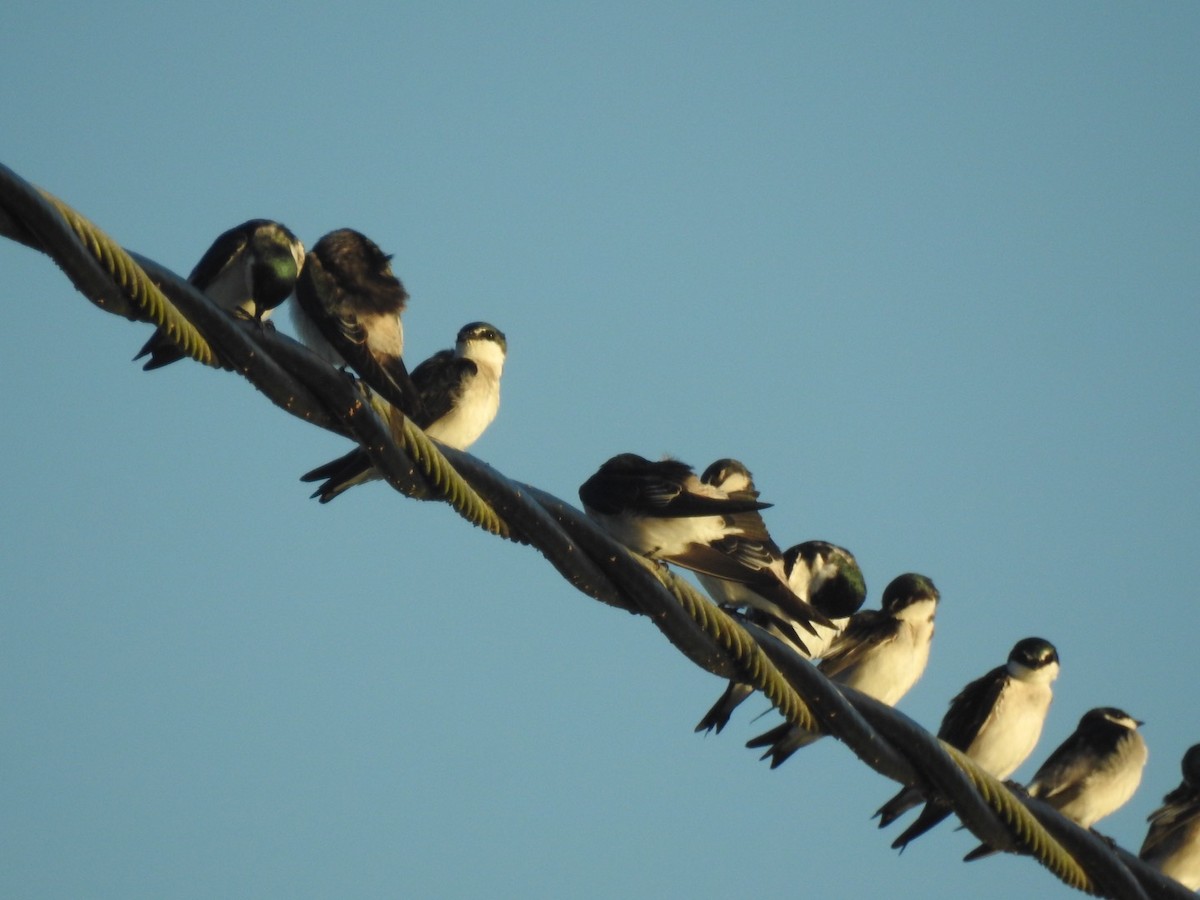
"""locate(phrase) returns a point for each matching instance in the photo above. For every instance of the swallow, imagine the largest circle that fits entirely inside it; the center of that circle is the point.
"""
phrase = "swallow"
(996, 720)
(1091, 774)
(460, 395)
(881, 653)
(347, 310)
(1172, 844)
(662, 511)
(732, 477)
(826, 576)
(248, 271)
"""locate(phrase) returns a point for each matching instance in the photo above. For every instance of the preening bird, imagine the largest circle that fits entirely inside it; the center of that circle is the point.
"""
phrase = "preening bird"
(662, 511)
(348, 311)
(248, 271)
(829, 578)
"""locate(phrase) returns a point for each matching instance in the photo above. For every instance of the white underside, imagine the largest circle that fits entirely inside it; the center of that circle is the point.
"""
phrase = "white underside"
(463, 425)
(890, 671)
(1109, 786)
(1012, 731)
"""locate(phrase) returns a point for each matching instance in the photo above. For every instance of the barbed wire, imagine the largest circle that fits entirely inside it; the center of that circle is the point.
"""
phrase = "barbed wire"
(304, 385)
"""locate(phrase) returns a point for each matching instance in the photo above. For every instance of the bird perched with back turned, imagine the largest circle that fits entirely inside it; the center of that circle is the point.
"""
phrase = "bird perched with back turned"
(248, 271)
(1091, 774)
(348, 311)
(460, 394)
(1172, 844)
(996, 720)
(881, 653)
(661, 510)
(825, 575)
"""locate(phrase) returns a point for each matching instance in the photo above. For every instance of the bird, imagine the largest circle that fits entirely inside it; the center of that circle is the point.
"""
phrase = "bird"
(347, 310)
(881, 653)
(829, 578)
(732, 476)
(248, 271)
(996, 720)
(1091, 774)
(662, 511)
(460, 395)
(1172, 843)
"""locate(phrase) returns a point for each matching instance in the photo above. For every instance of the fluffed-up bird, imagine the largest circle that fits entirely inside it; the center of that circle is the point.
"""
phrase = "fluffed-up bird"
(248, 271)
(662, 511)
(996, 720)
(829, 578)
(1172, 844)
(881, 653)
(1091, 774)
(347, 310)
(460, 396)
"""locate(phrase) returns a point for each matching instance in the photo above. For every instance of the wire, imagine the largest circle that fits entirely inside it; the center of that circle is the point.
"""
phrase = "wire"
(304, 385)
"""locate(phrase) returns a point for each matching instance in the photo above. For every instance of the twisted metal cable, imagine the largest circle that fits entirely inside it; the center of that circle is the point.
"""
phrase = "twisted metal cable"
(305, 386)
(449, 484)
(1022, 823)
(35, 209)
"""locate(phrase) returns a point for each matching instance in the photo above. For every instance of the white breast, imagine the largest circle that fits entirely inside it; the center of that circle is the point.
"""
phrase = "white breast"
(462, 426)
(891, 670)
(1009, 736)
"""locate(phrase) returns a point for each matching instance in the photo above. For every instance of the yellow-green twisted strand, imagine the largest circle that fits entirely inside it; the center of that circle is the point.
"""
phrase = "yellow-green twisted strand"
(446, 480)
(742, 650)
(1022, 823)
(135, 283)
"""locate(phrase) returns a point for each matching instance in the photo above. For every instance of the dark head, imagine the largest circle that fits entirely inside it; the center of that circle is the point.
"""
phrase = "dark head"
(728, 475)
(1032, 654)
(836, 586)
(356, 266)
(481, 331)
(278, 256)
(908, 589)
(1107, 717)
(1191, 766)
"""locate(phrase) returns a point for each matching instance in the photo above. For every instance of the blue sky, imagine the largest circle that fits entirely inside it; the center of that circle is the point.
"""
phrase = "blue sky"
(930, 270)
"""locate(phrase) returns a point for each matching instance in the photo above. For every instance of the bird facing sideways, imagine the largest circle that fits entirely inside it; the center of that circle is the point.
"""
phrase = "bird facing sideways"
(1091, 774)
(347, 310)
(881, 653)
(248, 271)
(460, 396)
(662, 511)
(1172, 843)
(996, 720)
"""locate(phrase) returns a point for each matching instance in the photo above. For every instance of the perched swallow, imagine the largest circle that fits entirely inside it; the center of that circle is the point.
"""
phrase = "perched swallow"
(460, 394)
(663, 511)
(1172, 844)
(1093, 773)
(348, 311)
(881, 653)
(248, 271)
(731, 476)
(996, 720)
(825, 575)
